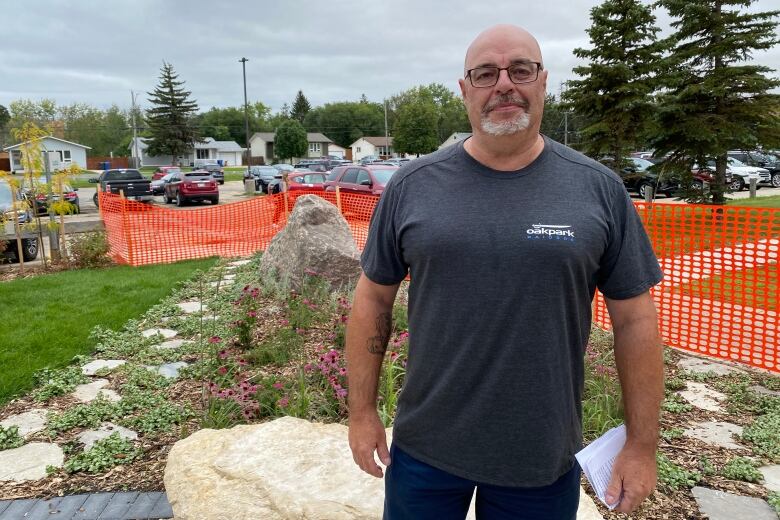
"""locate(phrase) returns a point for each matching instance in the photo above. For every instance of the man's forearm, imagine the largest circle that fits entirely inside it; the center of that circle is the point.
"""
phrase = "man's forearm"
(368, 333)
(639, 359)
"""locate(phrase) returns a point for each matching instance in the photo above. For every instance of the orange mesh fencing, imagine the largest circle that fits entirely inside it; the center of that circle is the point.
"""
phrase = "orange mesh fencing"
(719, 297)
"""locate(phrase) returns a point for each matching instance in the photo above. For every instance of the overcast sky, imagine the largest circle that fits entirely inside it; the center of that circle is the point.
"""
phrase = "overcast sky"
(97, 51)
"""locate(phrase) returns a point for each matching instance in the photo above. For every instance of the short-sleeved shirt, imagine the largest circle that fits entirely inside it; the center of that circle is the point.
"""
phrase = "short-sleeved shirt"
(503, 267)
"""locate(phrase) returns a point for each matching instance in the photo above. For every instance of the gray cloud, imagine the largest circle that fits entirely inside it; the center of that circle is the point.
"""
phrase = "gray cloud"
(96, 51)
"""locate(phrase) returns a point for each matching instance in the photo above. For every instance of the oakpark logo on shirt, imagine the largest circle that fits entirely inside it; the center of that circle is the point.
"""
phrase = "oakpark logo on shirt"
(550, 232)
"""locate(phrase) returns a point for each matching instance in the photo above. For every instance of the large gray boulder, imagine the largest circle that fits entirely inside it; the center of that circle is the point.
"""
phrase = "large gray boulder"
(286, 469)
(316, 239)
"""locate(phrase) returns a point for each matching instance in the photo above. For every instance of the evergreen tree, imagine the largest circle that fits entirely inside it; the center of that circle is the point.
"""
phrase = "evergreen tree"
(5, 117)
(290, 140)
(713, 101)
(614, 94)
(300, 107)
(171, 119)
(415, 129)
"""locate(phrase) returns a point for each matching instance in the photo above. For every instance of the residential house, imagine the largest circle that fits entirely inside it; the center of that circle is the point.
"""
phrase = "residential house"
(63, 153)
(229, 152)
(261, 145)
(376, 146)
(454, 138)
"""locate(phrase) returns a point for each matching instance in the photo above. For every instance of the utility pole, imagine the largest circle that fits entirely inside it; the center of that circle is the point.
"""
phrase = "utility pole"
(54, 236)
(135, 131)
(246, 118)
(387, 145)
(566, 128)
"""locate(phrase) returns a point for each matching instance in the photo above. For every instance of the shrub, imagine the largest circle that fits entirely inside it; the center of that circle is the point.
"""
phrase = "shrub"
(742, 468)
(90, 250)
(602, 399)
(764, 434)
(10, 438)
(673, 476)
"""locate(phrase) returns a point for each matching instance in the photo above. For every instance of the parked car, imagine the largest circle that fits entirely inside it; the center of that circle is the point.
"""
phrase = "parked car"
(8, 248)
(395, 161)
(760, 160)
(262, 175)
(638, 177)
(198, 185)
(162, 171)
(368, 159)
(368, 180)
(158, 185)
(124, 180)
(283, 167)
(702, 176)
(299, 181)
(69, 194)
(216, 171)
(741, 174)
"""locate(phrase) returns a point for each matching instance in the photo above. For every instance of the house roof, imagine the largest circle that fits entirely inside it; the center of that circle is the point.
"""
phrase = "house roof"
(312, 137)
(459, 136)
(378, 140)
(49, 137)
(208, 143)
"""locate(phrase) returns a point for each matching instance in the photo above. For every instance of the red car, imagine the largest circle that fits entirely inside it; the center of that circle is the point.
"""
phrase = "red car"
(191, 186)
(367, 180)
(300, 181)
(162, 171)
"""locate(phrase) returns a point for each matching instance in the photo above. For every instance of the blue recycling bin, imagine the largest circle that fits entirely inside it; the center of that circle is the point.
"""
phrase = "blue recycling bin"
(220, 162)
(105, 165)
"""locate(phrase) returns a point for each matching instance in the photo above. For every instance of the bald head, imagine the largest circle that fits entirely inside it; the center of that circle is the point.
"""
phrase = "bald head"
(501, 39)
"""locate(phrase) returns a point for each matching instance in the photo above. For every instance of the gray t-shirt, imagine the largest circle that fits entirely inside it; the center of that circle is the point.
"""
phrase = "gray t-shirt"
(503, 267)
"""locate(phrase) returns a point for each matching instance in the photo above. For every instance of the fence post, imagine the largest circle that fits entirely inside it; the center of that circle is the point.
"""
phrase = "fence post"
(338, 198)
(753, 187)
(649, 194)
(126, 228)
(286, 188)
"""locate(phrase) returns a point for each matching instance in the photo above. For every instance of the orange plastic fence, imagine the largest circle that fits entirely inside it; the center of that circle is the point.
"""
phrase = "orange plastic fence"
(719, 297)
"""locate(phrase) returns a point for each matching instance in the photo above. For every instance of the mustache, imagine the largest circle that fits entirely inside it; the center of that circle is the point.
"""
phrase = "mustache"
(504, 99)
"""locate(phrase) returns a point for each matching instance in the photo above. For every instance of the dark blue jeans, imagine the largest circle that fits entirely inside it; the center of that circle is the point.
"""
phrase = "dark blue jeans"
(416, 491)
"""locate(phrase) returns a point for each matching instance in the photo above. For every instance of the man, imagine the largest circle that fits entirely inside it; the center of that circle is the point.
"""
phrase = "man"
(506, 238)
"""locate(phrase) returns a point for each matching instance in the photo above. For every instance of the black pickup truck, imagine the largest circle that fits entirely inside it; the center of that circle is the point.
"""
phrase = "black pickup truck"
(130, 182)
(8, 245)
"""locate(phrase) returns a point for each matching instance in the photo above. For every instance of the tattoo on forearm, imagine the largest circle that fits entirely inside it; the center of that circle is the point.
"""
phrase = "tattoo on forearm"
(378, 344)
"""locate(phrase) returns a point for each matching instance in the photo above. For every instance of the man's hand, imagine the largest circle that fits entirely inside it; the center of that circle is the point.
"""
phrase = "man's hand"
(366, 435)
(634, 477)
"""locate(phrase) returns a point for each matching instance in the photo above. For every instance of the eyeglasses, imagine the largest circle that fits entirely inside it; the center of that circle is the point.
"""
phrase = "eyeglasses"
(522, 72)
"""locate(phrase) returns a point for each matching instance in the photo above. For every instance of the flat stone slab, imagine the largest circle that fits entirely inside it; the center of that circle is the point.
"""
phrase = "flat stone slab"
(166, 333)
(192, 307)
(171, 344)
(29, 462)
(765, 391)
(719, 505)
(702, 366)
(89, 392)
(716, 433)
(702, 396)
(771, 477)
(90, 437)
(169, 370)
(27, 422)
(92, 368)
(229, 276)
(237, 263)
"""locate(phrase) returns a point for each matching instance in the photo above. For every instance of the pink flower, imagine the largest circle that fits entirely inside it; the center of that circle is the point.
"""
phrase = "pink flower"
(300, 331)
(308, 367)
(242, 362)
(222, 370)
(252, 314)
(283, 402)
(341, 393)
(223, 354)
(278, 386)
(284, 322)
(342, 371)
(215, 339)
(310, 272)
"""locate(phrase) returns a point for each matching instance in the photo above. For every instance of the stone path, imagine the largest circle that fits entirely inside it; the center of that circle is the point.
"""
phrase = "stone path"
(98, 506)
(719, 505)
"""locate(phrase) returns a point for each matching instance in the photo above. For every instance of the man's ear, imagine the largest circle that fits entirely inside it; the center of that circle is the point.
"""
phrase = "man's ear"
(462, 84)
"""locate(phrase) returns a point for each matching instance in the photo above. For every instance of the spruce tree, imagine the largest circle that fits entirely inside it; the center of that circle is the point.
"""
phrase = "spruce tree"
(614, 94)
(171, 119)
(713, 100)
(300, 107)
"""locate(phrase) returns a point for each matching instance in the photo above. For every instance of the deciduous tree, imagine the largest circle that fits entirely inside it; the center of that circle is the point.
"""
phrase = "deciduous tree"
(290, 140)
(415, 130)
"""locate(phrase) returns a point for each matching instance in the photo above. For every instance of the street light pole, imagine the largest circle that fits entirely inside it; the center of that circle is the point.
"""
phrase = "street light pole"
(246, 118)
(135, 131)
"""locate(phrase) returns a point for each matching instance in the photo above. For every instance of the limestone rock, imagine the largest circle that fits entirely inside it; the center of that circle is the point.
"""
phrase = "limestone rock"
(89, 392)
(702, 366)
(169, 370)
(93, 367)
(165, 333)
(28, 422)
(193, 307)
(719, 505)
(89, 437)
(702, 396)
(29, 462)
(765, 391)
(771, 477)
(316, 239)
(237, 263)
(286, 469)
(716, 433)
(170, 344)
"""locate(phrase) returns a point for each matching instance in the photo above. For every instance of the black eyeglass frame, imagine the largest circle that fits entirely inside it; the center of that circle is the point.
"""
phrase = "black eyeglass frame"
(538, 68)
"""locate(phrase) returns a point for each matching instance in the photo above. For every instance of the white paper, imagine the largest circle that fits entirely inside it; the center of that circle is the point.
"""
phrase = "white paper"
(597, 458)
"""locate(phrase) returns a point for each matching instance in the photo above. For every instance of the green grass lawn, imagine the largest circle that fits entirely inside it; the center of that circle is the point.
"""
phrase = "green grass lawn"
(756, 287)
(761, 202)
(46, 320)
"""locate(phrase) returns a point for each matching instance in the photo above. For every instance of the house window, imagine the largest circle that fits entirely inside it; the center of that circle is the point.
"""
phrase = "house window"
(66, 156)
(315, 147)
(202, 153)
(357, 149)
